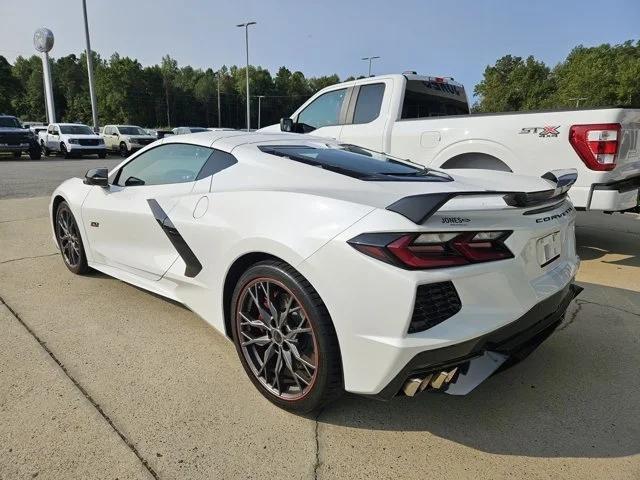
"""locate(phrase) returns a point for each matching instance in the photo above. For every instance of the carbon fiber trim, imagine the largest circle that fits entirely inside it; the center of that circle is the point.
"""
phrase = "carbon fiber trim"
(193, 264)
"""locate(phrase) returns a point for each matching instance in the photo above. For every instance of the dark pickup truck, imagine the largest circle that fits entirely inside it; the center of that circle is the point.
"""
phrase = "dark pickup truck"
(16, 139)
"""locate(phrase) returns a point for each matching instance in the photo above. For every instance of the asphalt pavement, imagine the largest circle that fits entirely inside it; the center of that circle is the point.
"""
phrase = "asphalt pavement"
(99, 379)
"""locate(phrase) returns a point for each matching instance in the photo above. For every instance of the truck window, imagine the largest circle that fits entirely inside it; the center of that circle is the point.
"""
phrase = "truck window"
(323, 111)
(432, 99)
(368, 103)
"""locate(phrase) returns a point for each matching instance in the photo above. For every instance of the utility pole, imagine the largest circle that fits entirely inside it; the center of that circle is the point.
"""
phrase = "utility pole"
(260, 97)
(92, 88)
(370, 59)
(578, 100)
(246, 38)
(219, 113)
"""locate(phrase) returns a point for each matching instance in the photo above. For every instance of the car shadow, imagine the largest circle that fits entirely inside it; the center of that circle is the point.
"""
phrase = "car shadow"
(594, 244)
(578, 395)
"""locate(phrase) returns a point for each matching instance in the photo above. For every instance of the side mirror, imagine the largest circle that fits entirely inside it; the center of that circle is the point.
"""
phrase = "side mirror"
(286, 125)
(97, 176)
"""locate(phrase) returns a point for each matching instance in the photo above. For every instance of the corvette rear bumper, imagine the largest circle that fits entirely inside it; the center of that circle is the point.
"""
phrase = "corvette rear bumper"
(512, 342)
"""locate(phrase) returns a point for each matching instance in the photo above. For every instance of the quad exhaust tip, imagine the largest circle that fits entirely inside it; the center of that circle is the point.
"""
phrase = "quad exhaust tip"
(433, 380)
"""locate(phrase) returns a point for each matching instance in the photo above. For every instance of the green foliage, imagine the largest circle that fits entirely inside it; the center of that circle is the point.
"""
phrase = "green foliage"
(155, 96)
(599, 76)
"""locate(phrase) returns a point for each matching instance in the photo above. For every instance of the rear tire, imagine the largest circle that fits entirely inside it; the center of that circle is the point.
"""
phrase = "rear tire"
(102, 155)
(69, 240)
(301, 337)
(17, 154)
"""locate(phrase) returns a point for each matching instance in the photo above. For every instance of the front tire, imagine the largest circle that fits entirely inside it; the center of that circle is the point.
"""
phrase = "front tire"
(35, 154)
(102, 155)
(285, 338)
(69, 240)
(63, 150)
(45, 150)
(17, 154)
(124, 151)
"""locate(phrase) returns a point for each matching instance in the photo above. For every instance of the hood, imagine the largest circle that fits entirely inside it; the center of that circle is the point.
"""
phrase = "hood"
(14, 130)
(82, 137)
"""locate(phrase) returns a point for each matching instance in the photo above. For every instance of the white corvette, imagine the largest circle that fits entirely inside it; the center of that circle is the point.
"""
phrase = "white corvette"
(331, 267)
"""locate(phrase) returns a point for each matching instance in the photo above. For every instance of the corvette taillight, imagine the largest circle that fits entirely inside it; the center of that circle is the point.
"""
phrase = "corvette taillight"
(433, 250)
(596, 144)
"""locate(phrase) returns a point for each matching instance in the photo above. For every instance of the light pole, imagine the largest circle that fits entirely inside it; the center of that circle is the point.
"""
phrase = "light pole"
(92, 88)
(246, 38)
(369, 59)
(43, 41)
(260, 97)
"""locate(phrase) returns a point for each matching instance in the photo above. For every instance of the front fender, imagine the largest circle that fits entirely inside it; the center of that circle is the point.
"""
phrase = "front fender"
(74, 192)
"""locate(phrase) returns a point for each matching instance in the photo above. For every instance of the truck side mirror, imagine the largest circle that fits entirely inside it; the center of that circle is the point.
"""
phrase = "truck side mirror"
(286, 125)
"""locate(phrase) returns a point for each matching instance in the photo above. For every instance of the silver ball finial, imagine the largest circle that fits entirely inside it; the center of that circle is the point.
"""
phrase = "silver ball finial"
(43, 40)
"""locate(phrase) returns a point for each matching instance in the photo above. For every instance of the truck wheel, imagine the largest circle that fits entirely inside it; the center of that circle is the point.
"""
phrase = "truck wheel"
(102, 155)
(45, 150)
(17, 154)
(63, 150)
(35, 154)
(124, 151)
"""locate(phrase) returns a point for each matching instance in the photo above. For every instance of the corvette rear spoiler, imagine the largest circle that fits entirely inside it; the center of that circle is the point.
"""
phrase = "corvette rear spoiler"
(419, 208)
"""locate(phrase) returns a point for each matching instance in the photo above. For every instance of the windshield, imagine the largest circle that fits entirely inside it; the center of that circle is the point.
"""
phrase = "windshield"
(197, 129)
(76, 129)
(131, 131)
(356, 162)
(11, 122)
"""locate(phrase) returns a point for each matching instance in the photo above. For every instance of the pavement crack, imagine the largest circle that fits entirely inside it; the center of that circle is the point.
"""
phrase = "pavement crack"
(316, 465)
(84, 392)
(604, 305)
(28, 258)
(22, 219)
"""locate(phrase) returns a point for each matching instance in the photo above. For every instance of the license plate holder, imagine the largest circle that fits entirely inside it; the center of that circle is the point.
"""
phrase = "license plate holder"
(549, 248)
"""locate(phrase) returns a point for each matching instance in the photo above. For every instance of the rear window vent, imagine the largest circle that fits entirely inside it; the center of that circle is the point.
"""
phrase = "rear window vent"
(435, 303)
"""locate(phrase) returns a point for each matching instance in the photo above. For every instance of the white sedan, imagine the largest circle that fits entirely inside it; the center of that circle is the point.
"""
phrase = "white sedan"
(331, 267)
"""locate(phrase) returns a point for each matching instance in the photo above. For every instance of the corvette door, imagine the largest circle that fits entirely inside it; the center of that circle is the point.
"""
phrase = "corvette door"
(128, 223)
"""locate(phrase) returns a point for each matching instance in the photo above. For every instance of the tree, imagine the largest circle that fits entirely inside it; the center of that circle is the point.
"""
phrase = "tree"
(10, 87)
(514, 84)
(169, 69)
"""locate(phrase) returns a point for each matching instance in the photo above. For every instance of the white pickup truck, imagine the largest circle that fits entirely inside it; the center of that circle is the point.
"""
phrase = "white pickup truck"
(427, 120)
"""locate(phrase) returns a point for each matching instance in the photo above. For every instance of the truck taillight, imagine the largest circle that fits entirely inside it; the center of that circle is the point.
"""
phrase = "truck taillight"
(433, 250)
(596, 144)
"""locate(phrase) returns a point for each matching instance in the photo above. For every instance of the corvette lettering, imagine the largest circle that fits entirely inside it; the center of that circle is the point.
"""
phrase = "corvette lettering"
(554, 217)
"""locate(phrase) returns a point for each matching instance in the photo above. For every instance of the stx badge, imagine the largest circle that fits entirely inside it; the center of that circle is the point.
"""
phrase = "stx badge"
(548, 131)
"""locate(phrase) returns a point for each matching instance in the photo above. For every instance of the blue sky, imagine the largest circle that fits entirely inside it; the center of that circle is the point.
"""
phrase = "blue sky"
(452, 38)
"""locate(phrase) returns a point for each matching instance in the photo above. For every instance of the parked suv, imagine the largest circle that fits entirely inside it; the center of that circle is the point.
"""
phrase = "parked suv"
(71, 139)
(15, 139)
(126, 139)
